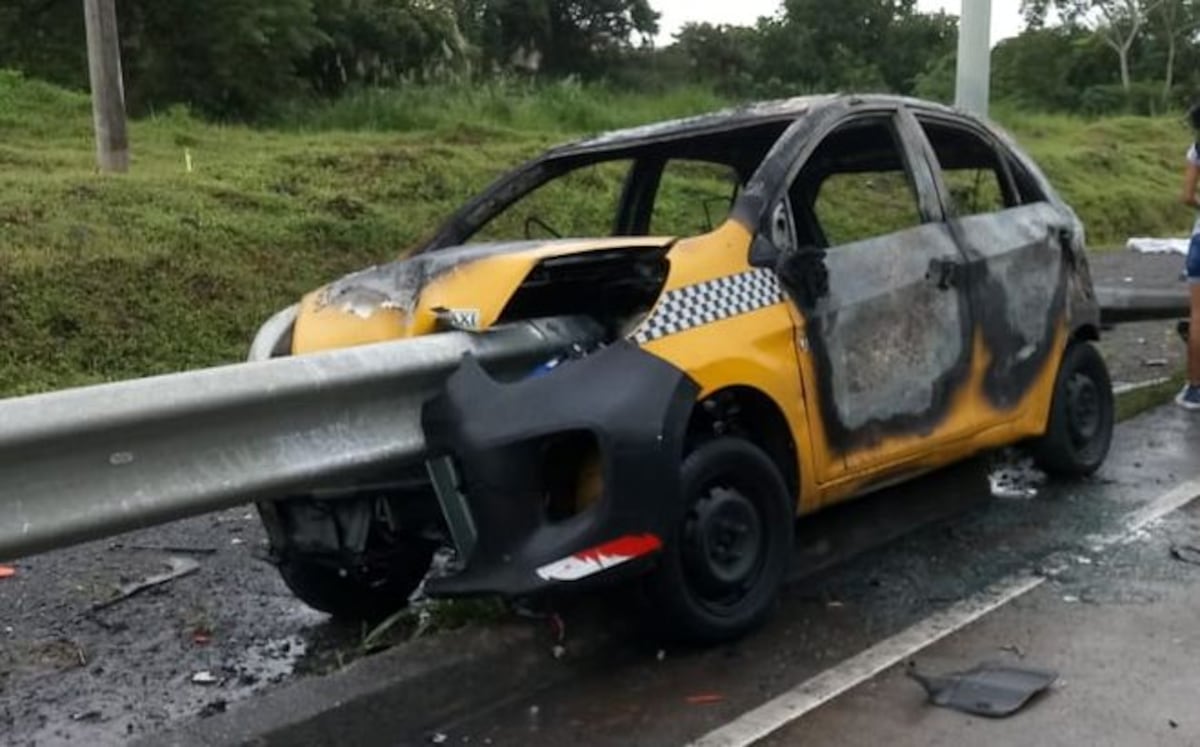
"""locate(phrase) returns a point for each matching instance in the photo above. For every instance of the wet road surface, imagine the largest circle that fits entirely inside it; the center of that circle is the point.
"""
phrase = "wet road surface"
(1136, 594)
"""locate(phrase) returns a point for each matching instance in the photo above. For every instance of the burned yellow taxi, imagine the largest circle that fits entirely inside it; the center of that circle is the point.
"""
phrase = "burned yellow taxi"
(778, 308)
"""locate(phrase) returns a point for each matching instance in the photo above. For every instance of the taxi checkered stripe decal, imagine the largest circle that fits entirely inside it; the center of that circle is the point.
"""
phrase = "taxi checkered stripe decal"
(708, 302)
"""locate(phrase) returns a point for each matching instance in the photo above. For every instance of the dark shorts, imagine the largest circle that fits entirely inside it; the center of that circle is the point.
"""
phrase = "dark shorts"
(1193, 260)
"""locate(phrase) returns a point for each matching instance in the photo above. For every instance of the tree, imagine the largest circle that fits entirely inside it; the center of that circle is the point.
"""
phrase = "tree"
(722, 55)
(375, 42)
(1118, 22)
(1176, 20)
(558, 37)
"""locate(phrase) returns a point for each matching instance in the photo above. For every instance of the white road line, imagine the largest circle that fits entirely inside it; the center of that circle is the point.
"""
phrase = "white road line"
(775, 714)
(1172, 500)
(807, 696)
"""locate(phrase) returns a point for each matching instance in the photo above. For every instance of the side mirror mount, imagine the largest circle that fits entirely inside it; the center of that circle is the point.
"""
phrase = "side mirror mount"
(804, 274)
(764, 253)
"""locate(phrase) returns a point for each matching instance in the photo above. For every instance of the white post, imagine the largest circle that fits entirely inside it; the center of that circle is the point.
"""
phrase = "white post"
(108, 95)
(974, 56)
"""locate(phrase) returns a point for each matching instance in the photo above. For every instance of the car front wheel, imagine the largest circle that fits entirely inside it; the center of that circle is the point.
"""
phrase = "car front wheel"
(721, 570)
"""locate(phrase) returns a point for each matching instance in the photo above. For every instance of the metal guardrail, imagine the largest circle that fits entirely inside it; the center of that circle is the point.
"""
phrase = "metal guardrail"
(84, 463)
(1118, 305)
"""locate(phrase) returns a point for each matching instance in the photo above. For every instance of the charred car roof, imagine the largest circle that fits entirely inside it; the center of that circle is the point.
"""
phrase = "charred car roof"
(735, 118)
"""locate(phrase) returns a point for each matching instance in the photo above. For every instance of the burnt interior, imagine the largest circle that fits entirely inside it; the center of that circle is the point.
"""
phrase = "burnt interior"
(612, 287)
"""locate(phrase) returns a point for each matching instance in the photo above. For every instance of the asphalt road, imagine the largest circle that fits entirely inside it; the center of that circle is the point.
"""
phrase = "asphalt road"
(1110, 610)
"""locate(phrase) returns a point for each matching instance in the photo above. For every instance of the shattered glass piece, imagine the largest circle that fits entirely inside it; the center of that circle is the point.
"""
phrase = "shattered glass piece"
(989, 689)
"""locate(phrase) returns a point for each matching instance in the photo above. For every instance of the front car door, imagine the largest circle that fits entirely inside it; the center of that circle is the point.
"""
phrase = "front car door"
(1016, 245)
(887, 348)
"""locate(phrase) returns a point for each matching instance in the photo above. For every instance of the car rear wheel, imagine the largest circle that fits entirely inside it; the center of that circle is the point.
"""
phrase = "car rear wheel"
(1082, 414)
(356, 592)
(721, 570)
(368, 583)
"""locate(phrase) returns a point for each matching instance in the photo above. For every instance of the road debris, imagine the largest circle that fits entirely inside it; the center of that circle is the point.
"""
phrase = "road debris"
(989, 689)
(1013, 649)
(1015, 477)
(180, 567)
(212, 708)
(705, 698)
(204, 678)
(201, 637)
(7, 571)
(88, 717)
(1186, 553)
(171, 549)
(438, 738)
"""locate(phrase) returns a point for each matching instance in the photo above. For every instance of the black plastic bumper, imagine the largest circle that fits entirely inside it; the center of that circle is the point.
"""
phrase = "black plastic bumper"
(634, 405)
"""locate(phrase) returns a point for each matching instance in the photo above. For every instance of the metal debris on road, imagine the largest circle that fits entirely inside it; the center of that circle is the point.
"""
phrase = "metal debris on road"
(1186, 553)
(180, 567)
(989, 689)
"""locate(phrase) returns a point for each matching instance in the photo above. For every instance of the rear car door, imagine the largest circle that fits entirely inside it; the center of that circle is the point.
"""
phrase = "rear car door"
(885, 350)
(1016, 247)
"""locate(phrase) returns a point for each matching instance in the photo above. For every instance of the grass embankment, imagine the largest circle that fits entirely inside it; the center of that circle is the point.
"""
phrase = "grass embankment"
(164, 269)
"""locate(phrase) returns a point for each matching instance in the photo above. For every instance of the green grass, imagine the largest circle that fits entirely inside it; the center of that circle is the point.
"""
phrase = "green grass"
(107, 277)
(1134, 403)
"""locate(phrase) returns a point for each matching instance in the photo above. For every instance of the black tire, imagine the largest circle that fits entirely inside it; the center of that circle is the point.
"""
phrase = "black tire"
(356, 592)
(1082, 414)
(722, 567)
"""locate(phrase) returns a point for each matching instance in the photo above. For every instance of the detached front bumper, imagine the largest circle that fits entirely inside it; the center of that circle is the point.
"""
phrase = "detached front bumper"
(488, 450)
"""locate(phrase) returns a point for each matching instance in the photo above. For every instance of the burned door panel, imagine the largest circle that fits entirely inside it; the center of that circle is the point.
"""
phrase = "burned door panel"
(890, 343)
(892, 340)
(1013, 238)
(1019, 270)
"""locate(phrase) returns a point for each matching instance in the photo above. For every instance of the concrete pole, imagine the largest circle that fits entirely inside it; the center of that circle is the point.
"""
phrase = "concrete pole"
(108, 91)
(974, 56)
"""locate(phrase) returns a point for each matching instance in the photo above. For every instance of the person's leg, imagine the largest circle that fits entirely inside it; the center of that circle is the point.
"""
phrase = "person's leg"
(1190, 396)
(1194, 336)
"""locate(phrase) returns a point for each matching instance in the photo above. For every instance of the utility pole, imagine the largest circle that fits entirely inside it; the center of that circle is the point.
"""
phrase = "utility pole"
(974, 56)
(108, 91)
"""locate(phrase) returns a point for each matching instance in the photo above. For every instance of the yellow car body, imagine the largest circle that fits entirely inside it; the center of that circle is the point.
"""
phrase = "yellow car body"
(854, 364)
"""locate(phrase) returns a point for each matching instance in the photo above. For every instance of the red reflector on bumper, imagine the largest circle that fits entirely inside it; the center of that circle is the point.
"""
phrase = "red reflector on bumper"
(602, 557)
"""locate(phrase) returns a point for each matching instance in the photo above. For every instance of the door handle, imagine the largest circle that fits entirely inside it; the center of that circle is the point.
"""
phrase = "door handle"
(944, 272)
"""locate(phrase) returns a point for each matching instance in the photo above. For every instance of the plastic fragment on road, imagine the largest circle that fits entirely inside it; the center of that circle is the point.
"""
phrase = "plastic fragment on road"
(7, 571)
(204, 678)
(1186, 553)
(180, 567)
(989, 689)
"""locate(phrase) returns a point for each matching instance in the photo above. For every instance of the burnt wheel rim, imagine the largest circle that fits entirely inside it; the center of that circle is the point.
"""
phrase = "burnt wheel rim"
(723, 546)
(1084, 413)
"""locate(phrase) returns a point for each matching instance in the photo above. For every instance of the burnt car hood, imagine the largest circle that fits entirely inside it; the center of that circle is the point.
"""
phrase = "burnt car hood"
(465, 287)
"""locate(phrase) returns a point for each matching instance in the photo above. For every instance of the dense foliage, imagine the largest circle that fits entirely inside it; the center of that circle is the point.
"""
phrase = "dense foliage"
(253, 58)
